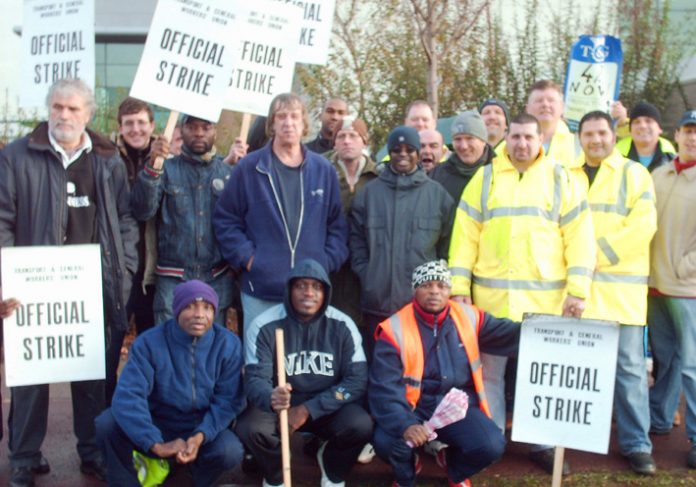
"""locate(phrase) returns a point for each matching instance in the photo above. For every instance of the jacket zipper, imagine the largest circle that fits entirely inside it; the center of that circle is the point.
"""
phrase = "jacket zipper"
(282, 214)
(193, 371)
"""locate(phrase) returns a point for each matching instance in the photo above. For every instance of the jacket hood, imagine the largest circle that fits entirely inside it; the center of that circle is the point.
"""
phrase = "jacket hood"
(308, 268)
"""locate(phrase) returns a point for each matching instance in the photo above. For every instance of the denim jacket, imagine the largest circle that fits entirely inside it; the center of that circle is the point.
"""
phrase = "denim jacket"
(184, 193)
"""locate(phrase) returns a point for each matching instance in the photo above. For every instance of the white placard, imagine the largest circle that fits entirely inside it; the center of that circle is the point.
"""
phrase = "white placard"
(565, 382)
(188, 57)
(266, 34)
(57, 42)
(315, 34)
(57, 334)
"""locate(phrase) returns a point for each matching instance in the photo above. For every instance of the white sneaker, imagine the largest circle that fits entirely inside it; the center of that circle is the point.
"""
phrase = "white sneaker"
(266, 484)
(367, 454)
(325, 481)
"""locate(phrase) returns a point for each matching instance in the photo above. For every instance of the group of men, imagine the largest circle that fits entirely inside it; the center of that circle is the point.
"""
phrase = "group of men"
(421, 266)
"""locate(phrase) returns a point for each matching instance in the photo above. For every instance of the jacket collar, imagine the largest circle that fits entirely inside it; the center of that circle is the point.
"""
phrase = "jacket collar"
(404, 181)
(180, 337)
(38, 140)
(265, 162)
(614, 160)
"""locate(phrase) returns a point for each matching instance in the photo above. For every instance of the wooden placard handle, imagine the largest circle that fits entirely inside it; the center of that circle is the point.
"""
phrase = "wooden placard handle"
(168, 132)
(244, 132)
(284, 432)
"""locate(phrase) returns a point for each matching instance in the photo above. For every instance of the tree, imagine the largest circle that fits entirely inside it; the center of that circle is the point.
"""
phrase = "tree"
(442, 26)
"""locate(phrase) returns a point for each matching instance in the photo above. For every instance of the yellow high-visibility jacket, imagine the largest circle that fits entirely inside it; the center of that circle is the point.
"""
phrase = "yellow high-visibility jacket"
(562, 148)
(523, 240)
(622, 203)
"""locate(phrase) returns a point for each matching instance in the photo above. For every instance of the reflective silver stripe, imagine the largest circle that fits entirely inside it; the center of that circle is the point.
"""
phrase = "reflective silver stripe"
(520, 211)
(647, 195)
(620, 207)
(412, 381)
(503, 211)
(470, 211)
(482, 396)
(619, 278)
(528, 285)
(485, 190)
(608, 251)
(607, 208)
(475, 365)
(461, 272)
(398, 335)
(572, 214)
(580, 271)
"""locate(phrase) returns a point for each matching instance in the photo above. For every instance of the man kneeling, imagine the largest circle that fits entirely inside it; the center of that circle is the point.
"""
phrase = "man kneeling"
(327, 378)
(178, 394)
(430, 346)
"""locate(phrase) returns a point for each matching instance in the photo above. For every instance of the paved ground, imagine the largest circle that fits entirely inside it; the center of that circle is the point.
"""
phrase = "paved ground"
(59, 448)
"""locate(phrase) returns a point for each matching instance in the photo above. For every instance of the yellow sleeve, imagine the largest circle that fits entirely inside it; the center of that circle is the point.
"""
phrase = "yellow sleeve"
(578, 237)
(634, 235)
(463, 250)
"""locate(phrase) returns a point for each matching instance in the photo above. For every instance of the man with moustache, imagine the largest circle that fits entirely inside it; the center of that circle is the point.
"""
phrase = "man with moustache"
(63, 185)
(622, 200)
(182, 194)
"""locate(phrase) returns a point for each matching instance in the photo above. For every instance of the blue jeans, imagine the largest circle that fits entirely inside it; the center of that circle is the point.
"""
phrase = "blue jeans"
(473, 443)
(672, 324)
(631, 408)
(164, 294)
(494, 385)
(253, 307)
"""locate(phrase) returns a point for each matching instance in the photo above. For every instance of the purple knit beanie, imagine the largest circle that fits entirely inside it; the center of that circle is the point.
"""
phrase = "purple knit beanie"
(190, 291)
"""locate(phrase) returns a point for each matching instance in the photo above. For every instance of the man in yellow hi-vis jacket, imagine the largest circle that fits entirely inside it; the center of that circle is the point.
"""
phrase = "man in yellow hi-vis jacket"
(621, 196)
(522, 242)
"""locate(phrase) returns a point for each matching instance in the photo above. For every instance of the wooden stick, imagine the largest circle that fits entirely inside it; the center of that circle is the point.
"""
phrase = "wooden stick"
(168, 132)
(284, 433)
(559, 451)
(244, 132)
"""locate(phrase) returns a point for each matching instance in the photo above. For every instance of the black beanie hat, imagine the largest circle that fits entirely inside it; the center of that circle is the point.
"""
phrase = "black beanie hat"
(645, 109)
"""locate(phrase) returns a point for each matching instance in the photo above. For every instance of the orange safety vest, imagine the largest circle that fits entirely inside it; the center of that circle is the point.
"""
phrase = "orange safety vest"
(402, 329)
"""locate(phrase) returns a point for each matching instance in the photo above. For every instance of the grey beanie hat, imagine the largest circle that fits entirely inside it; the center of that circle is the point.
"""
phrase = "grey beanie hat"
(470, 123)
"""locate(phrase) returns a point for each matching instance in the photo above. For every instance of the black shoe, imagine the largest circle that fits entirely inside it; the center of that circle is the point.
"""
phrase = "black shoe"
(691, 458)
(42, 467)
(544, 459)
(94, 468)
(642, 463)
(21, 477)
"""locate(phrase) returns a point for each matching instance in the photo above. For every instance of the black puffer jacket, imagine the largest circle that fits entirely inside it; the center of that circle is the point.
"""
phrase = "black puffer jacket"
(33, 209)
(397, 222)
